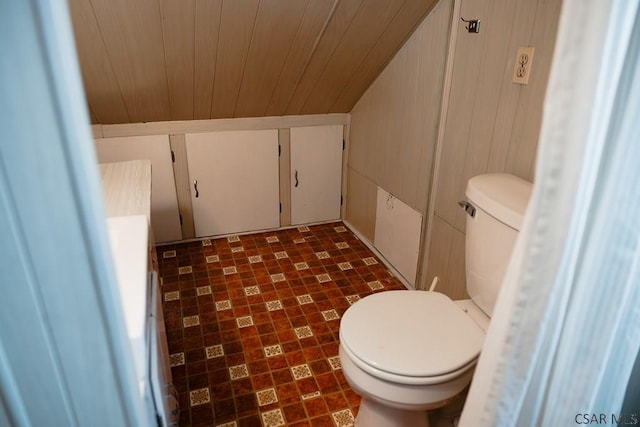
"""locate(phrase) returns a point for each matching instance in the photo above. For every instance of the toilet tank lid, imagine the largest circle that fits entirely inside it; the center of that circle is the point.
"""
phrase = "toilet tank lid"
(503, 196)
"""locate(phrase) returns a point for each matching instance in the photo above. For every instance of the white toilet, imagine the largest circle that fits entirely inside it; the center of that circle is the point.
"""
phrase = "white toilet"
(406, 352)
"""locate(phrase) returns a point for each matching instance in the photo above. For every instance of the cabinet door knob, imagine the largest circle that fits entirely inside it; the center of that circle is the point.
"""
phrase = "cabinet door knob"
(296, 176)
(195, 187)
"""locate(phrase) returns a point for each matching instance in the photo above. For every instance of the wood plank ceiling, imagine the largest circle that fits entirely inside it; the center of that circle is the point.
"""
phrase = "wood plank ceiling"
(157, 60)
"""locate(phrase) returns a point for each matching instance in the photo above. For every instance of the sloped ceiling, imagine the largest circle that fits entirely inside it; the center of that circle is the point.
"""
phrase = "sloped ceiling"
(157, 60)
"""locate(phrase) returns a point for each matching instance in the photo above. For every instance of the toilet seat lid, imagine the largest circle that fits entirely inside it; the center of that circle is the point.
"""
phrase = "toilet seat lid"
(411, 333)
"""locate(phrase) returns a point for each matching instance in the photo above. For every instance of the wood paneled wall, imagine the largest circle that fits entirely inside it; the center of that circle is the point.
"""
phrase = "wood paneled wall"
(160, 60)
(394, 125)
(490, 124)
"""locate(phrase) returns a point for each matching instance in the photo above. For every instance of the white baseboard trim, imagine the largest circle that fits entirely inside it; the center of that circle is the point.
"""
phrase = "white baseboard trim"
(245, 233)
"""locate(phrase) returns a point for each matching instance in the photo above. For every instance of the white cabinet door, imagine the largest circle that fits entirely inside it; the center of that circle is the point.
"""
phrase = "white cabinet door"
(316, 173)
(234, 181)
(165, 216)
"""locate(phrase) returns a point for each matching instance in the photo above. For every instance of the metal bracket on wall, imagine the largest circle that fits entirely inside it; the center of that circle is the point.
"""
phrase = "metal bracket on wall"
(473, 25)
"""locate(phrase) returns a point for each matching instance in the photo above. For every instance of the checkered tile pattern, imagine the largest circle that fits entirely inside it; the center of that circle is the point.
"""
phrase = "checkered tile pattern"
(253, 332)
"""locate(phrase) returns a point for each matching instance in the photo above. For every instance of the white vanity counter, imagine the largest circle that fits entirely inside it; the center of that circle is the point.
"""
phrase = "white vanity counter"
(127, 195)
(127, 188)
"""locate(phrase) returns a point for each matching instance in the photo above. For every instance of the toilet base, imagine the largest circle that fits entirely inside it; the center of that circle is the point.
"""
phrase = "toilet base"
(372, 413)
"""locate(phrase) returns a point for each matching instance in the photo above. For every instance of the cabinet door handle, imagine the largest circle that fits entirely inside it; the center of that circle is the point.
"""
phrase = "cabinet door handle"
(296, 176)
(195, 187)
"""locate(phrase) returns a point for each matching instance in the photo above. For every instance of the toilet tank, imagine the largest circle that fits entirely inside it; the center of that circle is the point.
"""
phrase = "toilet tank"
(500, 201)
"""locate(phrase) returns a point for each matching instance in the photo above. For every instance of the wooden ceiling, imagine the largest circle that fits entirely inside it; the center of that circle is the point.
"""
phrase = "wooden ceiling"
(157, 60)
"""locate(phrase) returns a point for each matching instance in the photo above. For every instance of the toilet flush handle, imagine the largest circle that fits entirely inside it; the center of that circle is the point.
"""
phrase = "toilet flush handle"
(468, 207)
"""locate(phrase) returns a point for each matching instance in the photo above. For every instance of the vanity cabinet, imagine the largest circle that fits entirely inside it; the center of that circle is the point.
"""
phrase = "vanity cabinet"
(316, 173)
(234, 181)
(127, 199)
(165, 217)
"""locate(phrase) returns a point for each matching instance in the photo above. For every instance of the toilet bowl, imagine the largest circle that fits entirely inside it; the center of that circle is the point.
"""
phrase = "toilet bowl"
(406, 352)
(399, 375)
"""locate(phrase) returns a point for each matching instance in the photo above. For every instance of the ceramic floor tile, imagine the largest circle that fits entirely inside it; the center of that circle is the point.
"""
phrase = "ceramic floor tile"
(172, 296)
(334, 362)
(312, 395)
(185, 270)
(274, 305)
(251, 290)
(191, 321)
(279, 277)
(229, 270)
(330, 315)
(199, 397)
(252, 324)
(223, 305)
(301, 266)
(345, 266)
(266, 397)
(303, 332)
(203, 290)
(352, 298)
(301, 371)
(304, 299)
(176, 359)
(238, 371)
(244, 322)
(343, 418)
(375, 285)
(323, 278)
(273, 418)
(214, 351)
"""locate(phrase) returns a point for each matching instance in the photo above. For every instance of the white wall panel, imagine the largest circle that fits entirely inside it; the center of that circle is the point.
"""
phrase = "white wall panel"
(397, 234)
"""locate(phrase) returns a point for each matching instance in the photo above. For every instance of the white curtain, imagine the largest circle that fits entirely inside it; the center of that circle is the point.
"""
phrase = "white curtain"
(566, 328)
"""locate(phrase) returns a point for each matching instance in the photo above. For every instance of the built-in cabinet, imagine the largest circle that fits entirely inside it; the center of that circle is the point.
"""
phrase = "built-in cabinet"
(316, 173)
(234, 181)
(165, 217)
(237, 181)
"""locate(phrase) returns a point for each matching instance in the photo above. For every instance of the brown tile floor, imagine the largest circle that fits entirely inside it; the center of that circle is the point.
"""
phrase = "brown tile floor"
(252, 325)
